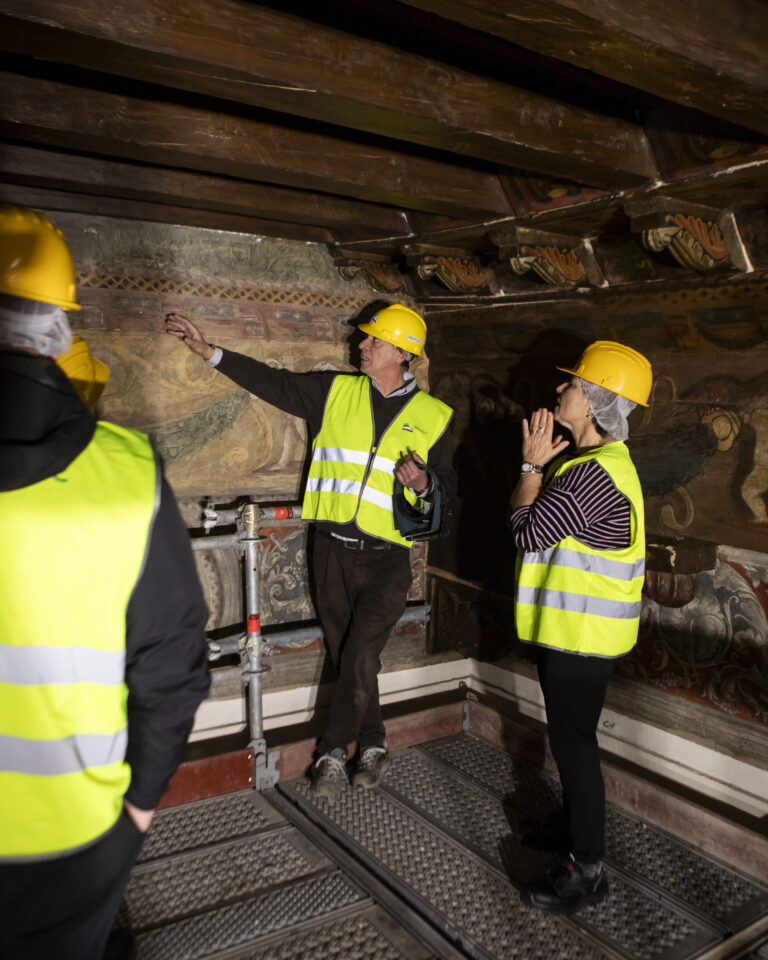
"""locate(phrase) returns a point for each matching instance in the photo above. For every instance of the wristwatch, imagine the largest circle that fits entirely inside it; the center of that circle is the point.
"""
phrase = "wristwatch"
(528, 468)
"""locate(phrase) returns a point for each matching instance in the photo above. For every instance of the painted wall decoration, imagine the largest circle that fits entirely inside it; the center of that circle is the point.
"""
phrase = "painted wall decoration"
(714, 648)
(285, 594)
(278, 301)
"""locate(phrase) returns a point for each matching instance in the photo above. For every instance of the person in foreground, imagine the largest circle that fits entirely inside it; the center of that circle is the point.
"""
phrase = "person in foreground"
(580, 532)
(103, 658)
(367, 429)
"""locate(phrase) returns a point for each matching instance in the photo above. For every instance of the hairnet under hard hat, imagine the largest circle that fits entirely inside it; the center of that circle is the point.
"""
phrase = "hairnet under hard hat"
(33, 325)
(609, 409)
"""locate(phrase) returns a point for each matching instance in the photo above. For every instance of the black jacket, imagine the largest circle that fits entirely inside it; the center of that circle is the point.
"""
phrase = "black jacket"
(304, 395)
(43, 427)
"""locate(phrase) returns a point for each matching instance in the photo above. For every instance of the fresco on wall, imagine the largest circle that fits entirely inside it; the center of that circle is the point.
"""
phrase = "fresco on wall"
(701, 449)
(214, 437)
(712, 649)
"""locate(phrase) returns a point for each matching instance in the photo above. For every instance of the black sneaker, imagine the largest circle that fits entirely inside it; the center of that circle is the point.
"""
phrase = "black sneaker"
(329, 775)
(567, 888)
(370, 767)
(551, 835)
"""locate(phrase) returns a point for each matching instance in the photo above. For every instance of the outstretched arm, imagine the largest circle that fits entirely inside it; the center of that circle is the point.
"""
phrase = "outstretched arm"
(300, 394)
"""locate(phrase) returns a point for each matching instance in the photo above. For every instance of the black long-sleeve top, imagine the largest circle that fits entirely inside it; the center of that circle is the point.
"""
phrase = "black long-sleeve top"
(43, 427)
(304, 395)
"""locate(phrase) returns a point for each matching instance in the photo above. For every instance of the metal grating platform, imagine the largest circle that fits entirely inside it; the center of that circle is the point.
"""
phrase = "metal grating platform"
(424, 868)
(231, 878)
(632, 920)
(206, 822)
(707, 887)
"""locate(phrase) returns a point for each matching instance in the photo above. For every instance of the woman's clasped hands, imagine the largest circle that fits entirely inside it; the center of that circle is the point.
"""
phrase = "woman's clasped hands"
(539, 445)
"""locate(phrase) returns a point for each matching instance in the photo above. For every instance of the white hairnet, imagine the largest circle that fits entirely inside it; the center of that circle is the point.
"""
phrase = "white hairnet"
(609, 409)
(34, 325)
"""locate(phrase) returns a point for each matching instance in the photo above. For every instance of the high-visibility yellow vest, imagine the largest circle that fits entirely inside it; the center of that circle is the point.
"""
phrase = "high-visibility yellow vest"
(73, 547)
(351, 479)
(578, 599)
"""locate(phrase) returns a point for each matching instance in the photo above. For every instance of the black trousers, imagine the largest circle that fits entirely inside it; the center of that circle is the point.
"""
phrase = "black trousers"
(63, 909)
(360, 595)
(574, 692)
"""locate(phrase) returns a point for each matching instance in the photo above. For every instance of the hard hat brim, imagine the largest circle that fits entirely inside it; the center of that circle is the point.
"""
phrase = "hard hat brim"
(575, 373)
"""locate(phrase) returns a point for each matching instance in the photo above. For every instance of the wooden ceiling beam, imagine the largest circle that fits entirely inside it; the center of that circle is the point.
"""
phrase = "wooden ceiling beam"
(704, 55)
(43, 199)
(262, 57)
(33, 166)
(158, 132)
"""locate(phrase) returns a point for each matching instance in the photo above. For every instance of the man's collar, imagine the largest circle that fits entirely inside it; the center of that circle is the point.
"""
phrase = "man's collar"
(408, 386)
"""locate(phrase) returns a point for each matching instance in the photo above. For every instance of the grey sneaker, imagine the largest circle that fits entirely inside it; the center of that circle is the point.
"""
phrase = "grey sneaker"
(329, 775)
(370, 767)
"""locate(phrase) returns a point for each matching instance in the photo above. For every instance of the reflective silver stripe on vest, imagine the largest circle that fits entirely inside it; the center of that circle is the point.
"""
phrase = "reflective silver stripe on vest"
(378, 499)
(384, 464)
(341, 455)
(52, 758)
(588, 562)
(27, 666)
(333, 485)
(579, 603)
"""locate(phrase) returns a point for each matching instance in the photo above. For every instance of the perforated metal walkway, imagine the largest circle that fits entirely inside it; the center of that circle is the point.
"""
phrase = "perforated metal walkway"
(424, 867)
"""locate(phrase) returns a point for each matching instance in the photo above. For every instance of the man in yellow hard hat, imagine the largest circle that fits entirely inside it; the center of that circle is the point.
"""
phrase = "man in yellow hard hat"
(102, 646)
(366, 431)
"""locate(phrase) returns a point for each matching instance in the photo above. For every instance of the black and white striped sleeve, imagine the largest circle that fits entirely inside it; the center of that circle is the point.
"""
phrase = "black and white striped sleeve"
(584, 503)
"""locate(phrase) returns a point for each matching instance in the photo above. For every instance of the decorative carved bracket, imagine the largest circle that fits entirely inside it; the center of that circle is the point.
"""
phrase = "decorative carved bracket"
(695, 243)
(555, 266)
(699, 238)
(458, 274)
(379, 272)
(559, 261)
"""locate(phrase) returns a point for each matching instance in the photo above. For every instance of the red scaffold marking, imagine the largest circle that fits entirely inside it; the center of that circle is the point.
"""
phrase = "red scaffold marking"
(254, 623)
(283, 513)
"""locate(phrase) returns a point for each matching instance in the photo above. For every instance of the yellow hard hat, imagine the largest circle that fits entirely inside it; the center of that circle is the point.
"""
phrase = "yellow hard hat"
(398, 325)
(618, 368)
(87, 374)
(35, 262)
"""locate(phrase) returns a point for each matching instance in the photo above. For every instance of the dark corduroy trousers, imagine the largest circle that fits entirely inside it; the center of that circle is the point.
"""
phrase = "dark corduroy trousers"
(360, 595)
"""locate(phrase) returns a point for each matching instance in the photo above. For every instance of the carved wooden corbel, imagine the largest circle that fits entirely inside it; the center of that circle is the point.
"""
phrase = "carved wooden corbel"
(379, 272)
(458, 274)
(558, 260)
(695, 243)
(699, 238)
(555, 266)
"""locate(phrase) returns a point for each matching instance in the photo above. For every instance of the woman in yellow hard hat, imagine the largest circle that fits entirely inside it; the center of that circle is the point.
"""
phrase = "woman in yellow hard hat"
(87, 374)
(579, 528)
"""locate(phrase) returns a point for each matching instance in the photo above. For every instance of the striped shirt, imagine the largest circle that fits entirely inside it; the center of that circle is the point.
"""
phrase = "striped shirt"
(583, 503)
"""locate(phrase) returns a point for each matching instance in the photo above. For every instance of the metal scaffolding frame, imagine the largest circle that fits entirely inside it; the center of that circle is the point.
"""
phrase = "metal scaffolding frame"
(247, 519)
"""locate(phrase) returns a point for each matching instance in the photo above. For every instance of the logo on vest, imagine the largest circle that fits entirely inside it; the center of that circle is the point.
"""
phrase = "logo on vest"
(409, 428)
